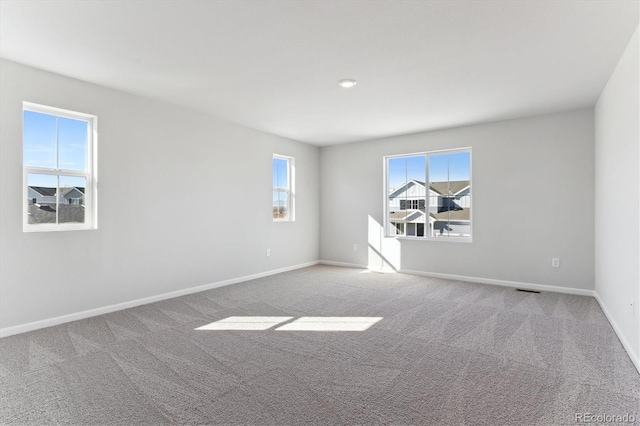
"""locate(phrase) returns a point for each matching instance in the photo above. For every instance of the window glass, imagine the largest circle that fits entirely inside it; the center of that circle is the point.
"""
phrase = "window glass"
(71, 199)
(60, 184)
(41, 199)
(72, 144)
(405, 189)
(429, 195)
(39, 135)
(282, 179)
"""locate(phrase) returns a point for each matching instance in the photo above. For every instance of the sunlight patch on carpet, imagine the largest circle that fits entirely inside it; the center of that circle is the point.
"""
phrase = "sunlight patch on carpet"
(330, 324)
(245, 323)
(300, 324)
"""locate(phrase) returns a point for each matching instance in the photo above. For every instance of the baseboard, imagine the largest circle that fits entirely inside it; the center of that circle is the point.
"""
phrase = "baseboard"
(621, 337)
(342, 264)
(504, 283)
(35, 325)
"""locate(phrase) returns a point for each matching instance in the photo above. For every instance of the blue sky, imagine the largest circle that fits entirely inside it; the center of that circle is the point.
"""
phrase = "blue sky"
(54, 142)
(279, 179)
(442, 168)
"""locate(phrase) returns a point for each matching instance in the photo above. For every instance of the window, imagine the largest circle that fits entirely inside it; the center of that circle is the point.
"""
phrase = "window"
(428, 195)
(59, 165)
(283, 188)
(411, 204)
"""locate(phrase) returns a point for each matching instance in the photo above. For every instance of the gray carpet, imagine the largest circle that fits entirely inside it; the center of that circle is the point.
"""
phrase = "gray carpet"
(445, 352)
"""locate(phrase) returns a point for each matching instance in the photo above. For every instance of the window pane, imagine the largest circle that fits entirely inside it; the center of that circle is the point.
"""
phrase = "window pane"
(406, 189)
(276, 205)
(459, 223)
(39, 140)
(439, 174)
(282, 180)
(72, 144)
(71, 199)
(460, 166)
(280, 205)
(41, 198)
(450, 195)
(450, 220)
(284, 205)
(280, 171)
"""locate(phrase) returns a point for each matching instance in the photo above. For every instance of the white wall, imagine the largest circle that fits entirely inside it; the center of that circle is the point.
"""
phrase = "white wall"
(215, 226)
(617, 211)
(532, 200)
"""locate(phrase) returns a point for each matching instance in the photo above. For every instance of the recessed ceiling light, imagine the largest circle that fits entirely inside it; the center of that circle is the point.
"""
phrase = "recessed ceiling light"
(347, 83)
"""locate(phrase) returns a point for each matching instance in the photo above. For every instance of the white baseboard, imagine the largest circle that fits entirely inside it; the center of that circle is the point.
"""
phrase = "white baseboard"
(342, 264)
(621, 337)
(35, 325)
(504, 283)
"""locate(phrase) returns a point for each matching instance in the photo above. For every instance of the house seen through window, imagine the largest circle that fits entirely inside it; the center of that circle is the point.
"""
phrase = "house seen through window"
(428, 195)
(283, 188)
(59, 169)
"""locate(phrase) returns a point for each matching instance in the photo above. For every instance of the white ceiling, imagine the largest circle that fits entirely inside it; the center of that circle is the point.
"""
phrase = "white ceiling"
(274, 65)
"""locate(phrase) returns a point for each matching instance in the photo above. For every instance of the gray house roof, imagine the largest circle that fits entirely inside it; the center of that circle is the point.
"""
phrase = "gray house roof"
(67, 213)
(455, 186)
(44, 191)
(406, 215)
(407, 184)
(463, 215)
(51, 192)
(65, 191)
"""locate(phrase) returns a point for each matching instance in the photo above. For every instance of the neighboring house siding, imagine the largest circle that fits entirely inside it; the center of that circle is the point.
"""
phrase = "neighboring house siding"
(416, 191)
(45, 195)
(40, 199)
(448, 214)
(32, 195)
(412, 191)
(74, 194)
(463, 199)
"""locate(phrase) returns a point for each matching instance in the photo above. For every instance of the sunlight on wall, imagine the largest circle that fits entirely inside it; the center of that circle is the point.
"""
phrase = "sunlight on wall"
(384, 253)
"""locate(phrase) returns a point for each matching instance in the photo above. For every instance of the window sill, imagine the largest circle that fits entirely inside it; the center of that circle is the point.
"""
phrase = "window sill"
(439, 239)
(43, 228)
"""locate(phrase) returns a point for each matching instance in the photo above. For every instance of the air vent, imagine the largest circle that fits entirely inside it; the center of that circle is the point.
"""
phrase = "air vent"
(527, 291)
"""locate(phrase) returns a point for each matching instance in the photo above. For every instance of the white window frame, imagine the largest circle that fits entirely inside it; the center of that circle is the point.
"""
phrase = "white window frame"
(290, 189)
(91, 192)
(426, 237)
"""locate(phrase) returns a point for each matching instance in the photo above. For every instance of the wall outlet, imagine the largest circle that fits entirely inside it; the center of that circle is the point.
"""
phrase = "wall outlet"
(355, 247)
(555, 262)
(268, 252)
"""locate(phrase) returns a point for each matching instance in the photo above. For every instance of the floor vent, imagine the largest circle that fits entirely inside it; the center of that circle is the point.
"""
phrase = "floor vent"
(528, 291)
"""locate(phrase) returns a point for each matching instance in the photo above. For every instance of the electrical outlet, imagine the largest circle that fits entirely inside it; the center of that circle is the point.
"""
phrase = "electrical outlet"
(555, 262)
(268, 252)
(355, 247)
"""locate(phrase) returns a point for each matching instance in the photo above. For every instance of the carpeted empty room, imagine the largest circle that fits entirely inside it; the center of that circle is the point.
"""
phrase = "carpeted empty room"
(353, 212)
(443, 352)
